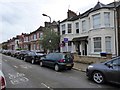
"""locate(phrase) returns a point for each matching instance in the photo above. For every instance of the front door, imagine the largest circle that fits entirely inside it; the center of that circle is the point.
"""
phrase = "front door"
(78, 47)
(85, 48)
(29, 47)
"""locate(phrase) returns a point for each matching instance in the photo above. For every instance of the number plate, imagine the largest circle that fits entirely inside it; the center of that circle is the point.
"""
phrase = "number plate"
(68, 65)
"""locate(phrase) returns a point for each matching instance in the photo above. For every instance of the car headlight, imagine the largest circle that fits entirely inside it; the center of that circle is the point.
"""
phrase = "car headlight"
(90, 66)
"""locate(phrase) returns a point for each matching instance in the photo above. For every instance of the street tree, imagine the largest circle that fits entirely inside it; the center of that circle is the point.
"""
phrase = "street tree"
(50, 41)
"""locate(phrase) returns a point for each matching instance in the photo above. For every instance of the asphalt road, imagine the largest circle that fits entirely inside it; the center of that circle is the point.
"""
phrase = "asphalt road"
(20, 74)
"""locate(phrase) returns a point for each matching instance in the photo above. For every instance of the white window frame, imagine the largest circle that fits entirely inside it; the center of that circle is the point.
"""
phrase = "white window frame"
(77, 27)
(35, 36)
(108, 44)
(69, 27)
(107, 19)
(96, 20)
(83, 25)
(63, 29)
(41, 36)
(97, 44)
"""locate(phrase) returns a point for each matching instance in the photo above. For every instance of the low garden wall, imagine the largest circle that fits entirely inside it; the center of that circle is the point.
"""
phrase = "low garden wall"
(89, 59)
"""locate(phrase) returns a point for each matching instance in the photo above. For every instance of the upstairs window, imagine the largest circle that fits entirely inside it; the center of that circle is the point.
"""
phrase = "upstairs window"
(41, 35)
(77, 27)
(26, 38)
(96, 21)
(69, 28)
(63, 29)
(34, 36)
(83, 25)
(107, 19)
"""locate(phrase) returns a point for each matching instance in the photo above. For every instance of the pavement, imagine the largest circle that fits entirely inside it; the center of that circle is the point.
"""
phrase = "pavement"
(80, 66)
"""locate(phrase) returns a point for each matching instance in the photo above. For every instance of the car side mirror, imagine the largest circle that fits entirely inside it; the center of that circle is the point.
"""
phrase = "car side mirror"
(110, 65)
(42, 58)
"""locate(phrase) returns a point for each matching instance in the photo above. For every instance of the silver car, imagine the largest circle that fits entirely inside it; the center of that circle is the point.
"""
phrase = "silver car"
(108, 71)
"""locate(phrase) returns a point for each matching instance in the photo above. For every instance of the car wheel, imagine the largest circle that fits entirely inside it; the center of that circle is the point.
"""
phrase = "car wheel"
(25, 59)
(70, 68)
(41, 63)
(57, 67)
(98, 77)
(21, 58)
(33, 61)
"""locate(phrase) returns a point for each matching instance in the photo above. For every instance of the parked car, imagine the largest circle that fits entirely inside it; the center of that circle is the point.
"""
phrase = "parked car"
(2, 78)
(22, 54)
(12, 53)
(8, 52)
(57, 61)
(33, 57)
(107, 71)
(1, 51)
(16, 53)
(2, 81)
(4, 51)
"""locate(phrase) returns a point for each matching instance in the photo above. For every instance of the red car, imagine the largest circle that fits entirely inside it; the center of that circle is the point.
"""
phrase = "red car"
(2, 81)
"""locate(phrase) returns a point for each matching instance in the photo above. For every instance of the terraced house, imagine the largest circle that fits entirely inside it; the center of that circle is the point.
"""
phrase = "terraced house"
(93, 32)
(34, 39)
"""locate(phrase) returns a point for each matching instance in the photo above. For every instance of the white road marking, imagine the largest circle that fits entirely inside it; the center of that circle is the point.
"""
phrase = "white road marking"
(95, 85)
(58, 73)
(92, 84)
(25, 66)
(6, 60)
(17, 78)
(99, 86)
(16, 66)
(46, 86)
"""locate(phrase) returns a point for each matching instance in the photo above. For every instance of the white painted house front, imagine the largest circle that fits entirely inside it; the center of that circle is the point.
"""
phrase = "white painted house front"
(90, 33)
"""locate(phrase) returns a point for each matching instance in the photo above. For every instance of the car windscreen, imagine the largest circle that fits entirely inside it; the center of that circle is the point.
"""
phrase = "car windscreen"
(32, 53)
(39, 53)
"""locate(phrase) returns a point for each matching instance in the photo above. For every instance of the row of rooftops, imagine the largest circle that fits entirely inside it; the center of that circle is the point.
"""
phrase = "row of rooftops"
(98, 6)
(41, 28)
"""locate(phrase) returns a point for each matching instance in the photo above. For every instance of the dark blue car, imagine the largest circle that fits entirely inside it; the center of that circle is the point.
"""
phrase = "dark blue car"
(58, 61)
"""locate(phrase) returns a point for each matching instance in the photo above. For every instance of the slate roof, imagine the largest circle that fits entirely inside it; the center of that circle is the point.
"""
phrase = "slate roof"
(39, 29)
(71, 18)
(96, 7)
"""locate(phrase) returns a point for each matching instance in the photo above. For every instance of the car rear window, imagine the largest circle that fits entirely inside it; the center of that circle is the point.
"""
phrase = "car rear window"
(68, 58)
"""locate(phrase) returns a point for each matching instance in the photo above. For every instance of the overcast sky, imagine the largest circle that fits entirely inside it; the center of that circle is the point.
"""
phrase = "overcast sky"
(17, 16)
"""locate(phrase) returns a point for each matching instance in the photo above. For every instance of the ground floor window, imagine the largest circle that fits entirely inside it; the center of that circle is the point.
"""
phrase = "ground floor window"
(34, 47)
(108, 44)
(97, 44)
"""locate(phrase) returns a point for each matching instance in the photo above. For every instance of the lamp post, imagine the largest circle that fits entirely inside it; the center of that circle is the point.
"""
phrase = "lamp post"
(49, 27)
(47, 16)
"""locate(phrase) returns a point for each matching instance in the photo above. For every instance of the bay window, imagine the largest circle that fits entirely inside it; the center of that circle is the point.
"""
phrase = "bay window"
(108, 44)
(97, 44)
(96, 21)
(63, 29)
(107, 19)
